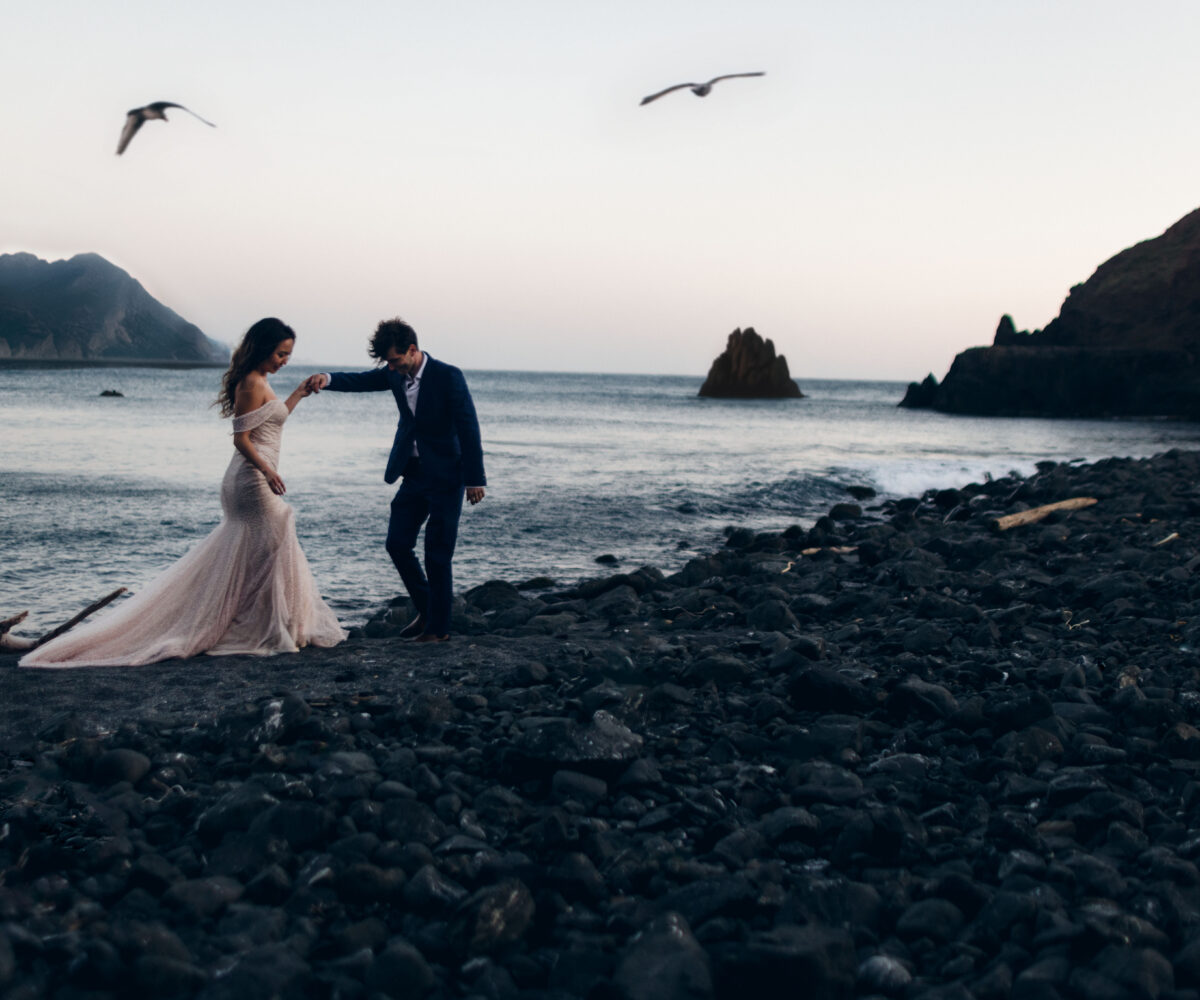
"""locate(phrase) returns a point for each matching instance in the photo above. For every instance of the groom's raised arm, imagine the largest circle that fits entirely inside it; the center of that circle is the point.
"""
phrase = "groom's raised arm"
(375, 380)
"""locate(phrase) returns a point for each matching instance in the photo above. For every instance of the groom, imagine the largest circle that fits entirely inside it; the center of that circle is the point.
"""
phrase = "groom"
(438, 452)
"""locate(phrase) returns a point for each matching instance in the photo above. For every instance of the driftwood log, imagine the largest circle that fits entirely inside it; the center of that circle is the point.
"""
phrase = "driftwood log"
(1035, 514)
(840, 550)
(8, 623)
(12, 642)
(95, 606)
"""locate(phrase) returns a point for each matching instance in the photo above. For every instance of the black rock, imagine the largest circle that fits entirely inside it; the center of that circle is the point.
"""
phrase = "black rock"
(494, 918)
(664, 962)
(773, 962)
(400, 970)
(605, 746)
(120, 764)
(823, 689)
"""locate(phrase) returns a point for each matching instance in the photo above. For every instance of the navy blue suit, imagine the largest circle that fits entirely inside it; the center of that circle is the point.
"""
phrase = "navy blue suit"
(450, 458)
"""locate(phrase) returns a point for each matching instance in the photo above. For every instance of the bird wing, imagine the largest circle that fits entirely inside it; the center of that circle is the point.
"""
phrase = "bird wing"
(192, 113)
(133, 122)
(655, 97)
(160, 106)
(730, 76)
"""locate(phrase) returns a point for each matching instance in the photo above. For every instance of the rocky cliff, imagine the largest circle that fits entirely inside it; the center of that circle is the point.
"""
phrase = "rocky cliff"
(749, 369)
(1125, 343)
(87, 309)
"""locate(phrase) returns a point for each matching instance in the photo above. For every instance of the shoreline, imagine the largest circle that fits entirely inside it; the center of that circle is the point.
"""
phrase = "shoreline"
(107, 363)
(901, 752)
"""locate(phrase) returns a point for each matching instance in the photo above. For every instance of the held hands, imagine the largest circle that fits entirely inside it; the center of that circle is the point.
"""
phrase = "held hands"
(305, 389)
(314, 384)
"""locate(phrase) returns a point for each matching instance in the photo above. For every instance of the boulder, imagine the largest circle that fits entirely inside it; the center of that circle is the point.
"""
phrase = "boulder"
(749, 369)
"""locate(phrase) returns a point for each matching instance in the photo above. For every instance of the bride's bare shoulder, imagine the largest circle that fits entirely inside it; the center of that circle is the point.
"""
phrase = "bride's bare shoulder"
(252, 392)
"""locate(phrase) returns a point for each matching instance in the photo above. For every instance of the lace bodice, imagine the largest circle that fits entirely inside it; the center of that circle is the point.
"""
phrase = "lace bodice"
(265, 426)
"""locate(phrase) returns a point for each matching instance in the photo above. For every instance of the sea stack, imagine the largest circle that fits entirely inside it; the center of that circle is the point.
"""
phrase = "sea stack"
(749, 369)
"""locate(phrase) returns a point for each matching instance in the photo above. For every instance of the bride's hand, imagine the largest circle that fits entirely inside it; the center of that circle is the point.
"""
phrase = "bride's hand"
(275, 483)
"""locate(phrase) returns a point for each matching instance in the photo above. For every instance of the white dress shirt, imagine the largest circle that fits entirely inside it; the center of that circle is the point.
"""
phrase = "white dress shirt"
(412, 389)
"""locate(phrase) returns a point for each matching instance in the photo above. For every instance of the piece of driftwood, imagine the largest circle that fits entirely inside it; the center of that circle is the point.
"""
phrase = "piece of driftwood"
(79, 617)
(14, 644)
(1035, 514)
(840, 550)
(1170, 538)
(11, 642)
(8, 623)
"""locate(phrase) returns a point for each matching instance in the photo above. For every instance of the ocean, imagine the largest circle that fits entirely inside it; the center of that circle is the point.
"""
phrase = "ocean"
(99, 492)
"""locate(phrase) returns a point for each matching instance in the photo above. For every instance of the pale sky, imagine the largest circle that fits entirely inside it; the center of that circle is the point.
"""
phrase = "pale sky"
(904, 174)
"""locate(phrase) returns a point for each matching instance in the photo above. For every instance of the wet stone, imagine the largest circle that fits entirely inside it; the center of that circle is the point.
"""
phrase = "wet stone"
(428, 891)
(202, 898)
(582, 788)
(274, 970)
(774, 961)
(158, 976)
(120, 764)
(883, 974)
(400, 971)
(494, 918)
(664, 962)
(603, 745)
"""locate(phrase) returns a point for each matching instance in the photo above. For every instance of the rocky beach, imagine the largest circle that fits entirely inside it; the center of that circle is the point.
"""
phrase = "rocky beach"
(904, 752)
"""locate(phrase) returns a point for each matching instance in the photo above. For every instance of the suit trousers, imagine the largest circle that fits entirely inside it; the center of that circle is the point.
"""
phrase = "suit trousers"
(422, 500)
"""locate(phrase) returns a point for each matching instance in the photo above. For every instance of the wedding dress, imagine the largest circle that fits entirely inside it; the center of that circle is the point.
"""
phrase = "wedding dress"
(246, 588)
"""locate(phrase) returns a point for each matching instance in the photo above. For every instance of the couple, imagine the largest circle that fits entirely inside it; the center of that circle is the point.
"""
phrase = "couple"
(247, 587)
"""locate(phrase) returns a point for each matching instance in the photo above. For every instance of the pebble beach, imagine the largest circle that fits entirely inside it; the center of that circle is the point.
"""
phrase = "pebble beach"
(903, 752)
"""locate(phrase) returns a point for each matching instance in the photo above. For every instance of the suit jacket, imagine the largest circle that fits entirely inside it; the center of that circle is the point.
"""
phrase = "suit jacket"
(444, 427)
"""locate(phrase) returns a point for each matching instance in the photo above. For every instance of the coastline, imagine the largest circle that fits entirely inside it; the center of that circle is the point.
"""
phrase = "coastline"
(901, 752)
(639, 468)
(108, 363)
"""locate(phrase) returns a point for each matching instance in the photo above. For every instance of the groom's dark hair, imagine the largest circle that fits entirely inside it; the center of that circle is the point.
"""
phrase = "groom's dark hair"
(392, 333)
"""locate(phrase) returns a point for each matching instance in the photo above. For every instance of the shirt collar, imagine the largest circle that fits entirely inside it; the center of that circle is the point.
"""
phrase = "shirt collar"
(421, 370)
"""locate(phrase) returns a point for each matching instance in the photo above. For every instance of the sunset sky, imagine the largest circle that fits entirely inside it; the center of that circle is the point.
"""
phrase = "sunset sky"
(904, 174)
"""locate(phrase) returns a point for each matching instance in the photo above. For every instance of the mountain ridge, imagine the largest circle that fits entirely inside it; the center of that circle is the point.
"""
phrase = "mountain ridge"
(85, 309)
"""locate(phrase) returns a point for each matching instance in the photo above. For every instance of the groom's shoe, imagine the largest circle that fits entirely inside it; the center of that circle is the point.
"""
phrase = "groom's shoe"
(414, 628)
(430, 637)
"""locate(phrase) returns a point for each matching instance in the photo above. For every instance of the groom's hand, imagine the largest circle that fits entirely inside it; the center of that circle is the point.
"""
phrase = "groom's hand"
(474, 494)
(316, 383)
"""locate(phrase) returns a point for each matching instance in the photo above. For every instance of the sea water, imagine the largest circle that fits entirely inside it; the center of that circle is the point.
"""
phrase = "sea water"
(98, 492)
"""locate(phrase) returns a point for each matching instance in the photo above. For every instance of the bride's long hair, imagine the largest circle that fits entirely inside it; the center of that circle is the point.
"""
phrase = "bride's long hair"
(256, 346)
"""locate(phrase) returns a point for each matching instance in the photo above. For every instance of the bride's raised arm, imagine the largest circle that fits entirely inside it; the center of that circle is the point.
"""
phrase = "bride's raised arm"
(302, 390)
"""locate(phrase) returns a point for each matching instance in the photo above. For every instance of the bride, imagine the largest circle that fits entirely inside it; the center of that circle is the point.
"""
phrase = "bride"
(247, 587)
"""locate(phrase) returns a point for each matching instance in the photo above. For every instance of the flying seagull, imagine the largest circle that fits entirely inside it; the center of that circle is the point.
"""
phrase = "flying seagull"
(133, 120)
(699, 89)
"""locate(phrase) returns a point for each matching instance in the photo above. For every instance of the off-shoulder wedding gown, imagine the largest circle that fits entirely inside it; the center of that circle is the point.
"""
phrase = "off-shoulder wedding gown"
(246, 588)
